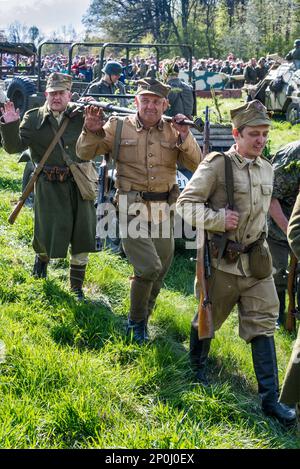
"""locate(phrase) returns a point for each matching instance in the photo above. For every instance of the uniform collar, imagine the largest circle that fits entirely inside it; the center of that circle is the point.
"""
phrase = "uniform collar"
(239, 160)
(139, 126)
(45, 113)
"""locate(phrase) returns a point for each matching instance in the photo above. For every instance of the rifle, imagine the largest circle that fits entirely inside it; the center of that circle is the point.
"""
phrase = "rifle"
(290, 321)
(30, 186)
(101, 196)
(205, 320)
(203, 269)
(197, 123)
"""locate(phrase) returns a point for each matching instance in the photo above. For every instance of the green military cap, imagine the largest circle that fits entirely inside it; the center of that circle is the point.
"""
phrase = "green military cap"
(152, 86)
(252, 114)
(58, 82)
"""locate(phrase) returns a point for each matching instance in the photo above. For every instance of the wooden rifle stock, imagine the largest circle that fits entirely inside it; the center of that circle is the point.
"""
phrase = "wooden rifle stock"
(290, 322)
(205, 319)
(29, 188)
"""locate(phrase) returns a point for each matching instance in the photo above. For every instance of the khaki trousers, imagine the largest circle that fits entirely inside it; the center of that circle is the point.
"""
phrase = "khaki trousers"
(256, 299)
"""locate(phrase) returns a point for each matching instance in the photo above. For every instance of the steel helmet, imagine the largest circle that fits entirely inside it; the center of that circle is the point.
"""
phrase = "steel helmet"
(297, 42)
(112, 68)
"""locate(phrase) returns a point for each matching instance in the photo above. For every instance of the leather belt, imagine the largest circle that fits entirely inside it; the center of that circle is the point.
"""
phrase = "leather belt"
(154, 196)
(57, 173)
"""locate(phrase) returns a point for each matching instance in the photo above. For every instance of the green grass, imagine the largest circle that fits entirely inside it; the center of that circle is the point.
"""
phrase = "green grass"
(71, 380)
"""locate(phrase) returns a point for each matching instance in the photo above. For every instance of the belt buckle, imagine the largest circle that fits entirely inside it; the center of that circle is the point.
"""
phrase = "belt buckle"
(142, 194)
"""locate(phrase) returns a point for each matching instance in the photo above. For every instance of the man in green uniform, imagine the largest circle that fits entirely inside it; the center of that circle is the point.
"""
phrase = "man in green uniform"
(294, 54)
(181, 98)
(150, 147)
(237, 277)
(285, 190)
(290, 393)
(110, 83)
(61, 217)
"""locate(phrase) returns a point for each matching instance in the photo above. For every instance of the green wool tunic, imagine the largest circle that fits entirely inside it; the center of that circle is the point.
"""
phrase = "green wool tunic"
(62, 217)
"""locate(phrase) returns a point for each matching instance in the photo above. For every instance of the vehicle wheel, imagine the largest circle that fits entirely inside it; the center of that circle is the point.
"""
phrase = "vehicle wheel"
(293, 113)
(18, 92)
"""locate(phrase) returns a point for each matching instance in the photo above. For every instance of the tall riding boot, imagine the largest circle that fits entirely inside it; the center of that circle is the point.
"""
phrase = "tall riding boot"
(40, 266)
(265, 367)
(139, 298)
(77, 275)
(281, 317)
(199, 350)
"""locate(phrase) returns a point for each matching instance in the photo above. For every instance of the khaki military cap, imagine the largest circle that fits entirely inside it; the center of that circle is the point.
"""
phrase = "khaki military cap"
(58, 82)
(252, 114)
(153, 86)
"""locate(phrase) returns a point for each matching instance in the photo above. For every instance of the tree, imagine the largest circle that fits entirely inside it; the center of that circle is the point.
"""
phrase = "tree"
(33, 33)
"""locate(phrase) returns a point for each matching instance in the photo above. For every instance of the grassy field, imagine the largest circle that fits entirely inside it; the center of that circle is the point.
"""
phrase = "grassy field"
(69, 379)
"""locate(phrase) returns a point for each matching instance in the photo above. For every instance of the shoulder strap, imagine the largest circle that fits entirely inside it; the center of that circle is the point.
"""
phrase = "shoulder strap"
(116, 147)
(55, 140)
(229, 181)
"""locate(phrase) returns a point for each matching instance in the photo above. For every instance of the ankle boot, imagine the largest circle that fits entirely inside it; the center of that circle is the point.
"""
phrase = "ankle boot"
(40, 267)
(199, 350)
(77, 275)
(265, 367)
(137, 331)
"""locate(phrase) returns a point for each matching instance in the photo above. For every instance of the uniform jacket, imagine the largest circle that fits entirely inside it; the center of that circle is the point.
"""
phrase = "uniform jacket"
(290, 393)
(147, 158)
(180, 97)
(286, 184)
(252, 196)
(61, 216)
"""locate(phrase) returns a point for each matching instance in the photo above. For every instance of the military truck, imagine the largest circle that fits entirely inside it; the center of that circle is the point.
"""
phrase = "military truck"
(279, 91)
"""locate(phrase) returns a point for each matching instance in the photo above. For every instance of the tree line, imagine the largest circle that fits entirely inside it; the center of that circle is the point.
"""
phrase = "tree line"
(214, 27)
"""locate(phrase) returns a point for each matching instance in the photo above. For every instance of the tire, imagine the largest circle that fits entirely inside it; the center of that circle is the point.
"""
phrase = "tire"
(18, 92)
(293, 113)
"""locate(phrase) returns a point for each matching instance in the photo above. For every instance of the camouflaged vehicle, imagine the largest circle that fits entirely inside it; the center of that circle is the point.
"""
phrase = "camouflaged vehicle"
(279, 91)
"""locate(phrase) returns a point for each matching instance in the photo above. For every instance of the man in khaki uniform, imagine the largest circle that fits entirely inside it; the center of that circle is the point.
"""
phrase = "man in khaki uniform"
(290, 393)
(150, 147)
(233, 281)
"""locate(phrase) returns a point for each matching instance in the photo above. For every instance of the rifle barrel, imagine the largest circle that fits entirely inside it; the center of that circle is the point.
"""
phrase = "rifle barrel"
(123, 110)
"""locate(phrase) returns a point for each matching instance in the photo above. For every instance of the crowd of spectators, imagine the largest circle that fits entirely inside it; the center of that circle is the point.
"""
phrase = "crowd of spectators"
(87, 67)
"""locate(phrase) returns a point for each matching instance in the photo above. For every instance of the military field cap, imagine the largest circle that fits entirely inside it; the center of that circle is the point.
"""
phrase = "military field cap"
(252, 114)
(58, 82)
(152, 86)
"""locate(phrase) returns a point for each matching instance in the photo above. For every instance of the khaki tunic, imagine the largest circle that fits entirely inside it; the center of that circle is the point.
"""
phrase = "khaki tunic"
(206, 194)
(146, 162)
(290, 393)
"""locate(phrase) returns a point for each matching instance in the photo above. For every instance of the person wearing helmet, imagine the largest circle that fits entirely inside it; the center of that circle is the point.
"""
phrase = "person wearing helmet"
(110, 83)
(294, 54)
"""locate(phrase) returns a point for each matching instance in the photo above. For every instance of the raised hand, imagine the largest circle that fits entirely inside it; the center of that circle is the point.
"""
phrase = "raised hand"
(182, 129)
(94, 118)
(9, 113)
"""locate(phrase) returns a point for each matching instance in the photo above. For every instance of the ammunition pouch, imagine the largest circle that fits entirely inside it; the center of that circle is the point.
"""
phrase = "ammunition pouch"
(173, 194)
(56, 173)
(260, 260)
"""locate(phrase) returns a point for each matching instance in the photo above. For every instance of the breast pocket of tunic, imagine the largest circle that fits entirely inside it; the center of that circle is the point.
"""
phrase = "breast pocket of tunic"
(241, 196)
(168, 153)
(266, 193)
(128, 150)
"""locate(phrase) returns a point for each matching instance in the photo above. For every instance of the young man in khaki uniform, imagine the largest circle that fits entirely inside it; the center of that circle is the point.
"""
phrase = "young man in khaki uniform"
(290, 393)
(149, 149)
(61, 217)
(236, 280)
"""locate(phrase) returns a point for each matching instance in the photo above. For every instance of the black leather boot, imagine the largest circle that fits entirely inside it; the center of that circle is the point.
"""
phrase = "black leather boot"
(40, 267)
(199, 350)
(137, 331)
(265, 367)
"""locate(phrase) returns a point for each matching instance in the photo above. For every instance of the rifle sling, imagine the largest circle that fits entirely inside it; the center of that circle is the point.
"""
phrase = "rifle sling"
(47, 153)
(230, 197)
